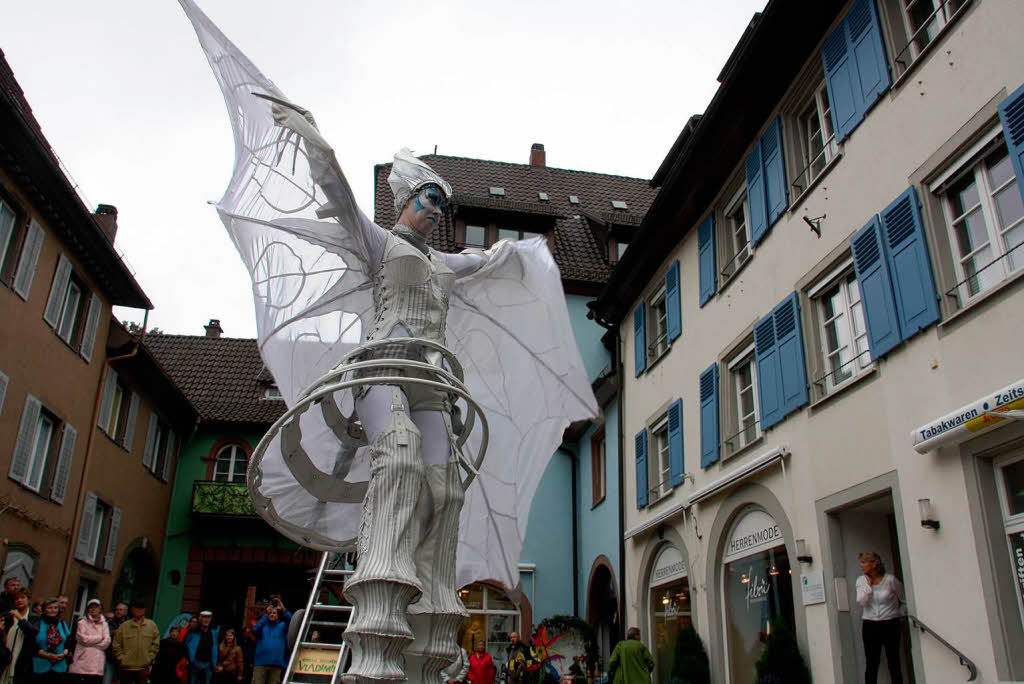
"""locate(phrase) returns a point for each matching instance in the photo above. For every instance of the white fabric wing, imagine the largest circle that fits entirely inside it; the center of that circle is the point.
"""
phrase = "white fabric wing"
(508, 325)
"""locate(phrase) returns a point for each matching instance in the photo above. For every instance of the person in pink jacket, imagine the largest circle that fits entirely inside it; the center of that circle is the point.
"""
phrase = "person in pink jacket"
(92, 638)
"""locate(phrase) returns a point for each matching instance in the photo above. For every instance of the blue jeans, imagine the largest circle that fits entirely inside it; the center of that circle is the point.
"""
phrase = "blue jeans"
(200, 673)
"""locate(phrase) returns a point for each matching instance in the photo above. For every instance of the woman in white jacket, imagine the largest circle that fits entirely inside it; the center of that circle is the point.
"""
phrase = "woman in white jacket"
(92, 636)
(880, 596)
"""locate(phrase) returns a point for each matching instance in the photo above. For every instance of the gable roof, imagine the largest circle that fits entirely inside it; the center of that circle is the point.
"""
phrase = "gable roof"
(578, 253)
(223, 377)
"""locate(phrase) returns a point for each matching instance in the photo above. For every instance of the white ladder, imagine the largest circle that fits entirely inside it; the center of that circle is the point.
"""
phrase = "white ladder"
(319, 655)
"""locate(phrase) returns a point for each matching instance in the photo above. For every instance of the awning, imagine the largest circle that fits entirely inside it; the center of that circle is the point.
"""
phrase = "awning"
(971, 420)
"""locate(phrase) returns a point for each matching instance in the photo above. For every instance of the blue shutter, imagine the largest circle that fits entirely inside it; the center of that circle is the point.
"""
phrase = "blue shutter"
(776, 197)
(756, 196)
(675, 443)
(706, 259)
(768, 374)
(917, 305)
(673, 312)
(789, 344)
(709, 416)
(641, 468)
(865, 33)
(856, 69)
(839, 68)
(639, 340)
(872, 270)
(1011, 113)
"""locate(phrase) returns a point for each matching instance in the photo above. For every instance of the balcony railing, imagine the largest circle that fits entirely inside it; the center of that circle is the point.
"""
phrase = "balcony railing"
(221, 499)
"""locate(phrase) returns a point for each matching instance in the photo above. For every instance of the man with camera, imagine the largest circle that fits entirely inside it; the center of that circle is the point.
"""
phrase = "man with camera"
(271, 634)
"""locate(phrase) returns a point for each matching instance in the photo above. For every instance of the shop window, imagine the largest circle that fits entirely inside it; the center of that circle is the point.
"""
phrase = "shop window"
(492, 618)
(20, 562)
(757, 588)
(984, 217)
(841, 331)
(743, 423)
(597, 467)
(231, 463)
(43, 451)
(670, 608)
(1010, 482)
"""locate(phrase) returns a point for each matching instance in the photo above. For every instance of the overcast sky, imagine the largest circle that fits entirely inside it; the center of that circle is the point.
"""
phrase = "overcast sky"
(127, 100)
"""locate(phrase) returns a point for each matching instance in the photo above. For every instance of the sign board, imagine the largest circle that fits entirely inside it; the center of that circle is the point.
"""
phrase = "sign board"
(316, 661)
(967, 421)
(1017, 558)
(812, 586)
(755, 531)
(669, 567)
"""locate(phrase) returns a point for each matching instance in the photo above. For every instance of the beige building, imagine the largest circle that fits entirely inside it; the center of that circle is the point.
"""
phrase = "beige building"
(822, 308)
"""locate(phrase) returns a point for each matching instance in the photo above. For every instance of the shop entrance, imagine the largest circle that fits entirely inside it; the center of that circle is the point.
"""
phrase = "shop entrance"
(865, 526)
(603, 610)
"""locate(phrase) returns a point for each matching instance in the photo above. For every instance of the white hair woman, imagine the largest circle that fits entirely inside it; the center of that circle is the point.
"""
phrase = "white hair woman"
(880, 596)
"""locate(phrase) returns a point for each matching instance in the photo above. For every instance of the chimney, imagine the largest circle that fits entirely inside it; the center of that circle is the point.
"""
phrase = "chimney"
(213, 328)
(538, 159)
(106, 216)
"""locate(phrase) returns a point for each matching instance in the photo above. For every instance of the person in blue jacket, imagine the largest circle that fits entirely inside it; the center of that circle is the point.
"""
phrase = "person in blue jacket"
(271, 634)
(201, 645)
(50, 636)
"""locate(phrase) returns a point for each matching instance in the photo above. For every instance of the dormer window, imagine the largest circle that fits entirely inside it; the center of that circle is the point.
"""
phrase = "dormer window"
(573, 199)
(619, 204)
(272, 392)
(543, 196)
(497, 192)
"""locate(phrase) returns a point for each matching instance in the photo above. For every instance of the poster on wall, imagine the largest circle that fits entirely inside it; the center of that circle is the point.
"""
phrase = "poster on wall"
(812, 586)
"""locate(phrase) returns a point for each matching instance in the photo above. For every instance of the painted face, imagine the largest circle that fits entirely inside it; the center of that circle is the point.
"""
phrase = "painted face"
(424, 211)
(431, 198)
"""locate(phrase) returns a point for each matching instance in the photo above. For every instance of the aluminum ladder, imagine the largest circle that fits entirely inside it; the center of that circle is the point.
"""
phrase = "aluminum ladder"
(319, 655)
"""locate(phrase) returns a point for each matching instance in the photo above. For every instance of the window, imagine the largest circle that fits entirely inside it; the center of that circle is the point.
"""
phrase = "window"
(21, 563)
(573, 199)
(845, 352)
(86, 590)
(514, 234)
(816, 139)
(492, 618)
(916, 24)
(272, 392)
(118, 412)
(476, 236)
(781, 368)
(98, 532)
(43, 451)
(230, 464)
(12, 235)
(985, 218)
(497, 191)
(543, 196)
(744, 421)
(620, 249)
(737, 233)
(856, 70)
(161, 448)
(659, 461)
(72, 310)
(620, 205)
(597, 467)
(657, 330)
(657, 320)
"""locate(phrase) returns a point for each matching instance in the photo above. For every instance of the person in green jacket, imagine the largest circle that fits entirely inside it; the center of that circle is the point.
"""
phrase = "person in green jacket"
(631, 662)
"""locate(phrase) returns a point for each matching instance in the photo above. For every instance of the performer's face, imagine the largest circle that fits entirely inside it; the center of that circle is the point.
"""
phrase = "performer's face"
(424, 211)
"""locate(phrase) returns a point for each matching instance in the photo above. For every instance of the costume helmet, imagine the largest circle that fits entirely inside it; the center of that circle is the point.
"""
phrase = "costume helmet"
(409, 174)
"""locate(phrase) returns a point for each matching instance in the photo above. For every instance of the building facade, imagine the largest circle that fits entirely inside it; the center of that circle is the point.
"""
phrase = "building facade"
(84, 502)
(819, 319)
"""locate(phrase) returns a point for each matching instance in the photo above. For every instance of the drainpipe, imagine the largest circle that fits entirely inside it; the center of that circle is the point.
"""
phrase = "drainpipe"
(622, 497)
(80, 500)
(575, 535)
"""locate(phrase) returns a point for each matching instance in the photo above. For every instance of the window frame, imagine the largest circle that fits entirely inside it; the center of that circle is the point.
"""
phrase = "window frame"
(904, 52)
(656, 320)
(659, 478)
(216, 460)
(598, 467)
(973, 163)
(48, 467)
(492, 229)
(737, 200)
(11, 254)
(734, 441)
(119, 412)
(862, 364)
(806, 178)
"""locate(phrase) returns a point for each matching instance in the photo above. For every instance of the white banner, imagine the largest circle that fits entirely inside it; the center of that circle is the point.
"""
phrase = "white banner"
(970, 420)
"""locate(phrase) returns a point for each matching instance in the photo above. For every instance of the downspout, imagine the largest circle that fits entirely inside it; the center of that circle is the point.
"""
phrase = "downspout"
(80, 500)
(575, 535)
(622, 497)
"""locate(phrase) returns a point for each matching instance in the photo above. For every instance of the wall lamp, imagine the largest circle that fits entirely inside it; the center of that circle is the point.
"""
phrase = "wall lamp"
(801, 551)
(927, 514)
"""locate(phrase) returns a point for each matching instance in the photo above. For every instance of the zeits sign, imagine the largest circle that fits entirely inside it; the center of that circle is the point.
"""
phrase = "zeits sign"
(970, 420)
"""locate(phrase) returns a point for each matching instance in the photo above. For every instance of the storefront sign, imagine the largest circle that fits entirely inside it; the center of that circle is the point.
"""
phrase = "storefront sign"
(812, 585)
(316, 661)
(1017, 558)
(969, 420)
(669, 567)
(754, 532)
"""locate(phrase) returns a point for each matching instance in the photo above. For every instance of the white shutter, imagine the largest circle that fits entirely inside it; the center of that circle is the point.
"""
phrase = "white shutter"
(133, 416)
(28, 260)
(107, 404)
(115, 527)
(7, 220)
(172, 448)
(26, 436)
(85, 529)
(58, 292)
(3, 390)
(149, 455)
(67, 453)
(92, 323)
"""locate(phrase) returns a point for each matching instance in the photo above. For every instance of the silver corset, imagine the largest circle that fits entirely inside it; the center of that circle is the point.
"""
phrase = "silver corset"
(411, 289)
